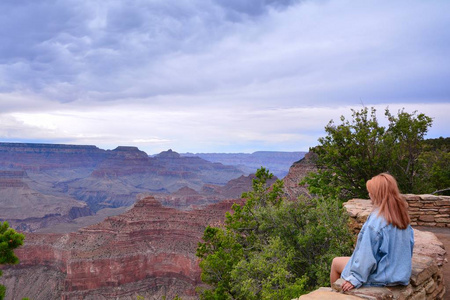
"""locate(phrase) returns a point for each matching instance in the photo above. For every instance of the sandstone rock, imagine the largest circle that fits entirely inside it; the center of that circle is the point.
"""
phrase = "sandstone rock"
(445, 202)
(426, 218)
(296, 174)
(327, 294)
(147, 250)
(427, 197)
(423, 269)
(276, 162)
(428, 245)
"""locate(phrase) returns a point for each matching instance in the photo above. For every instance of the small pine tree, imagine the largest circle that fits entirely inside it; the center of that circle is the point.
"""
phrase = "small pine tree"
(9, 240)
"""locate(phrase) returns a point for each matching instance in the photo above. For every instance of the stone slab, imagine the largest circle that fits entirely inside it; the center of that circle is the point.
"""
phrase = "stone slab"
(327, 295)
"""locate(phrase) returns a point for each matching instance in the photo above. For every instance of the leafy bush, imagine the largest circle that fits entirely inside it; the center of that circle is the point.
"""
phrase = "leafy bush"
(355, 150)
(270, 248)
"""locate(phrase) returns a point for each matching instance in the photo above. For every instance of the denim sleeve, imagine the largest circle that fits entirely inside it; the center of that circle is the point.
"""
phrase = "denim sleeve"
(412, 241)
(363, 260)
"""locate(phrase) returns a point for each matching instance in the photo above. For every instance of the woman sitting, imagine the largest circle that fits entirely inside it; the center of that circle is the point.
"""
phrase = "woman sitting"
(383, 252)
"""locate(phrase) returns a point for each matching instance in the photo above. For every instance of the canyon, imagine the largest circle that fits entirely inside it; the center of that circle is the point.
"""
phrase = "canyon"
(42, 185)
(147, 249)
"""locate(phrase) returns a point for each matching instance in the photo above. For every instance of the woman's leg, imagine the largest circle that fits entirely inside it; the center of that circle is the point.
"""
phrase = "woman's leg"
(337, 266)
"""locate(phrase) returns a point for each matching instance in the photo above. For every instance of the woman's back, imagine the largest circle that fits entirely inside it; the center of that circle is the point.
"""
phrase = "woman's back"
(383, 253)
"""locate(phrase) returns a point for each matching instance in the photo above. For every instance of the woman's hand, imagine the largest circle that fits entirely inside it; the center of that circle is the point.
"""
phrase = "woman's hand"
(347, 286)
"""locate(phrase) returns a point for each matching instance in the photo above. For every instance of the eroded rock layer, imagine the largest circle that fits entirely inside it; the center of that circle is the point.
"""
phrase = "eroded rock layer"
(46, 184)
(297, 172)
(147, 251)
(27, 209)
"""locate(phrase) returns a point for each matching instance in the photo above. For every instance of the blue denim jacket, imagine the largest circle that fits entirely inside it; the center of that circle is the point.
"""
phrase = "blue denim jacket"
(382, 256)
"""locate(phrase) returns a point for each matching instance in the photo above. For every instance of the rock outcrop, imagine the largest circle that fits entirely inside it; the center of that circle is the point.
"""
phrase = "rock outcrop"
(297, 172)
(147, 251)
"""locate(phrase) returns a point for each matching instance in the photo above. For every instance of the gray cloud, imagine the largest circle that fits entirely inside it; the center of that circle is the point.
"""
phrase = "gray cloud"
(111, 49)
(77, 56)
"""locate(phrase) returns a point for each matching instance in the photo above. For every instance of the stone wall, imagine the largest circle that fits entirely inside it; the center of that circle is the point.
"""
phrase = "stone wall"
(429, 210)
(427, 280)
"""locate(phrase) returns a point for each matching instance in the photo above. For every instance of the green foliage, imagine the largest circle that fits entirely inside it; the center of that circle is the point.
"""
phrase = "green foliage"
(437, 144)
(348, 156)
(269, 248)
(406, 142)
(9, 240)
(435, 161)
(358, 149)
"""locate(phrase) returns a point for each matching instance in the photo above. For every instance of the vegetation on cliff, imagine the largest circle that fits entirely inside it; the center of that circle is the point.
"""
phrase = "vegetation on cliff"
(9, 240)
(358, 149)
(270, 248)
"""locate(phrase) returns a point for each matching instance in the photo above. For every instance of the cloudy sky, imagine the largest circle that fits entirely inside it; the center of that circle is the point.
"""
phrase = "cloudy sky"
(215, 75)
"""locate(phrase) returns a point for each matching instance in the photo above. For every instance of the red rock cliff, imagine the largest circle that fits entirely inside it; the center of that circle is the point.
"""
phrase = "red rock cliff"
(148, 251)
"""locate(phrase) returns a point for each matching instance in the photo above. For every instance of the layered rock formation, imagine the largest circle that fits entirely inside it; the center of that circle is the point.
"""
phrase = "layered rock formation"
(48, 156)
(147, 251)
(127, 172)
(28, 210)
(297, 172)
(37, 175)
(187, 198)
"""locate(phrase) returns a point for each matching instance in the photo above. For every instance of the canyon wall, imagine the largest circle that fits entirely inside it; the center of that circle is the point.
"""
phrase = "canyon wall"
(147, 251)
(297, 172)
(46, 184)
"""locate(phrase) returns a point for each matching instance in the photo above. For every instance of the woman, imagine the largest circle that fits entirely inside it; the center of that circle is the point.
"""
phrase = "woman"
(383, 252)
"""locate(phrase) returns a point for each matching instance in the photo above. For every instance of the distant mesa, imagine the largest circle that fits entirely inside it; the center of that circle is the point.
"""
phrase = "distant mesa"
(127, 148)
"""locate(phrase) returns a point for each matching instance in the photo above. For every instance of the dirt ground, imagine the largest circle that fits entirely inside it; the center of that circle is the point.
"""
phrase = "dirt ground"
(443, 234)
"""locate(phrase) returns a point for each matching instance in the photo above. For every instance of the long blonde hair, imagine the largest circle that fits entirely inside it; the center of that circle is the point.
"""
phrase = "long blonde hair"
(386, 197)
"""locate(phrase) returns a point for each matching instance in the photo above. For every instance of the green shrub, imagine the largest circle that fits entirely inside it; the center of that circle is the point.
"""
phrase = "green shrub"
(270, 248)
